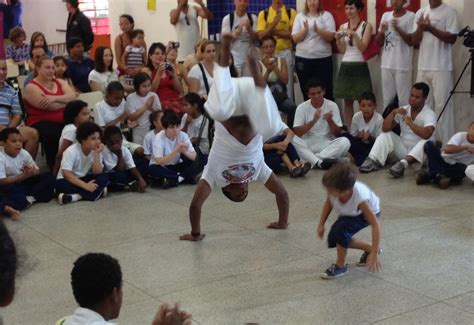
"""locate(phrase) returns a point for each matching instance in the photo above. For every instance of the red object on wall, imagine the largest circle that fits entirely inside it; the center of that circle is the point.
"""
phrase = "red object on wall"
(382, 6)
(2, 41)
(337, 9)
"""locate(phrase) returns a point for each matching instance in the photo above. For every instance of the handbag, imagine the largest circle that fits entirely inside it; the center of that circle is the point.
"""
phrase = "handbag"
(373, 49)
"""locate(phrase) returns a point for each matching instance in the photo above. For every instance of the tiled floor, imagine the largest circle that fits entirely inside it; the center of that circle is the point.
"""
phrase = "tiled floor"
(243, 272)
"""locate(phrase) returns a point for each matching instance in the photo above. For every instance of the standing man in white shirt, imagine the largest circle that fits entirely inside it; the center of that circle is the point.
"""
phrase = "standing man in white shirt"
(318, 123)
(436, 31)
(394, 36)
(185, 20)
(417, 124)
(243, 26)
(246, 115)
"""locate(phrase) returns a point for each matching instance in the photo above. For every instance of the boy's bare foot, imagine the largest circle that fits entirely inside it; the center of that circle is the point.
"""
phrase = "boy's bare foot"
(12, 213)
(191, 237)
(277, 225)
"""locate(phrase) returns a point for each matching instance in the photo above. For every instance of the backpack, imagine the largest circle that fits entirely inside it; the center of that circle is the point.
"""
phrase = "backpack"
(232, 19)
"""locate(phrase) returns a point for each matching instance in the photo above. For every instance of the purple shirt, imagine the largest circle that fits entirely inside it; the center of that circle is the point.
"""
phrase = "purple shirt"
(17, 53)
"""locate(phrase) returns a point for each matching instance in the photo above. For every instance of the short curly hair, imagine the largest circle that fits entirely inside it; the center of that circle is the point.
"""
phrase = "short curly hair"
(94, 277)
(15, 33)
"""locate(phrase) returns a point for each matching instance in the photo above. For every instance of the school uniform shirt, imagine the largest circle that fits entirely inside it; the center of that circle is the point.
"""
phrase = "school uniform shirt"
(193, 131)
(426, 117)
(9, 104)
(374, 126)
(110, 159)
(80, 71)
(196, 73)
(360, 193)
(82, 316)
(163, 146)
(397, 54)
(135, 102)
(436, 55)
(240, 45)
(305, 113)
(148, 142)
(104, 113)
(313, 45)
(463, 157)
(68, 133)
(231, 162)
(12, 166)
(75, 161)
(103, 78)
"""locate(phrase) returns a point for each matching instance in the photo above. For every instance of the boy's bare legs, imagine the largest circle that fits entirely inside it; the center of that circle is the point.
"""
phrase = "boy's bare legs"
(358, 244)
(287, 162)
(341, 256)
(255, 71)
(225, 50)
(348, 112)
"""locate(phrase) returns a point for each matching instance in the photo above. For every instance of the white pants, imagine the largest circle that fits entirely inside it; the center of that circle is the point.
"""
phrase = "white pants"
(240, 96)
(317, 149)
(396, 82)
(389, 142)
(441, 83)
(470, 172)
(290, 63)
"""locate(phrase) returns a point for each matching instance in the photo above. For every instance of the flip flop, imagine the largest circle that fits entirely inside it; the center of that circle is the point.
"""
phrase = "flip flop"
(305, 169)
(296, 172)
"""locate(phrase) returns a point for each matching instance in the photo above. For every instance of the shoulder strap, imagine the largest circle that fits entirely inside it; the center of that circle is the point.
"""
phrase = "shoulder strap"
(231, 18)
(204, 77)
(288, 12)
(201, 130)
(364, 26)
(249, 16)
(265, 14)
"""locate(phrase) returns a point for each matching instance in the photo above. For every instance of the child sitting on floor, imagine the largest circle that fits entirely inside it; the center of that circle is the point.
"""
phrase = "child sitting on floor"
(81, 174)
(365, 128)
(191, 122)
(173, 153)
(119, 164)
(358, 207)
(21, 184)
(75, 113)
(155, 128)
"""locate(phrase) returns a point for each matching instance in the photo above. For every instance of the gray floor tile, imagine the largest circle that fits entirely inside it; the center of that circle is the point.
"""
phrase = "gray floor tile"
(464, 302)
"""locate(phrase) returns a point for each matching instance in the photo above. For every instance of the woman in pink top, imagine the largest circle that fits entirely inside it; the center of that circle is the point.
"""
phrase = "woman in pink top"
(163, 79)
(44, 99)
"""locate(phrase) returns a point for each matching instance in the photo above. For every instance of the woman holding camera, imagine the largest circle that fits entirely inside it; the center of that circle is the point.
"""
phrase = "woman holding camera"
(172, 58)
(163, 79)
(352, 40)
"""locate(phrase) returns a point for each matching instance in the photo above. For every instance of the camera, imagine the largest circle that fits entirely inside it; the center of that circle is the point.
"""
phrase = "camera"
(174, 45)
(168, 66)
(468, 35)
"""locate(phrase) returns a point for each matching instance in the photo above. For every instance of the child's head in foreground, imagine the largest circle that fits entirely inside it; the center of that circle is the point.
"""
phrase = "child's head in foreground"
(340, 179)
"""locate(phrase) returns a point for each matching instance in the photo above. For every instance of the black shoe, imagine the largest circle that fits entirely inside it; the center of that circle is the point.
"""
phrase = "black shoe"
(327, 163)
(169, 182)
(64, 198)
(132, 186)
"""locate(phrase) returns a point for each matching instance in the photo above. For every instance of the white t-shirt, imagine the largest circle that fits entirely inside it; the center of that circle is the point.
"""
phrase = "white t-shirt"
(104, 113)
(436, 55)
(110, 159)
(352, 53)
(196, 73)
(240, 45)
(424, 118)
(374, 126)
(103, 78)
(187, 31)
(305, 113)
(83, 316)
(148, 142)
(232, 162)
(361, 193)
(12, 166)
(193, 132)
(135, 102)
(314, 46)
(68, 133)
(464, 157)
(163, 146)
(75, 161)
(397, 54)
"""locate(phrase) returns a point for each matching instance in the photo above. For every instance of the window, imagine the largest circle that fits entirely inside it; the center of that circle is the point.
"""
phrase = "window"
(98, 13)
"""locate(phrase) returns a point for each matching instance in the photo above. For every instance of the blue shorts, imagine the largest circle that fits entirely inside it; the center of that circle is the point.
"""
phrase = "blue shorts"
(344, 228)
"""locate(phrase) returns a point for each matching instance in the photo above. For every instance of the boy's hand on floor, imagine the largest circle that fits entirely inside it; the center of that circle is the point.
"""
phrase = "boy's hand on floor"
(373, 262)
(141, 185)
(320, 231)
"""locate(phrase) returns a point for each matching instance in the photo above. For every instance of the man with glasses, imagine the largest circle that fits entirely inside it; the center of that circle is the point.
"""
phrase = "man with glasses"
(185, 19)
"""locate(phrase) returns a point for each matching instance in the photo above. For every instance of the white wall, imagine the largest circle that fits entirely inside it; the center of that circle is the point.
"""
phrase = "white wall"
(45, 16)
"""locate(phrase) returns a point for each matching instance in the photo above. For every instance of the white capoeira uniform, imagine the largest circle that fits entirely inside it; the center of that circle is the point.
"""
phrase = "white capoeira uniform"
(407, 143)
(229, 160)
